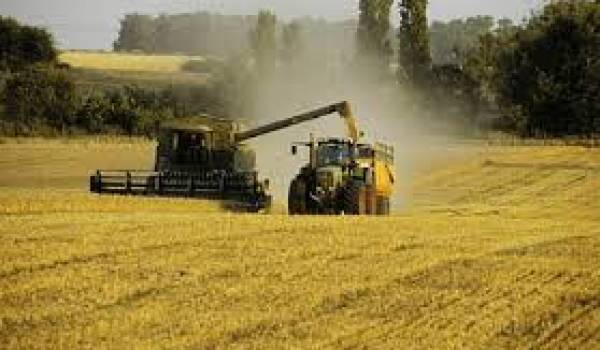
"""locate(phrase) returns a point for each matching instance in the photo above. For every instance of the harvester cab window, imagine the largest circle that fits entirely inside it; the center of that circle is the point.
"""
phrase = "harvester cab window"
(190, 148)
(197, 141)
(184, 141)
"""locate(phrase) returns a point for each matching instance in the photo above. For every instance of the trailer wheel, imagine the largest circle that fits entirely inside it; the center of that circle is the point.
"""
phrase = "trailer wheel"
(371, 200)
(383, 206)
(297, 197)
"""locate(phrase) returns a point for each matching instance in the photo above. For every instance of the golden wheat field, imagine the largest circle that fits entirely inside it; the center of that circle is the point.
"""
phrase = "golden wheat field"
(498, 248)
(125, 61)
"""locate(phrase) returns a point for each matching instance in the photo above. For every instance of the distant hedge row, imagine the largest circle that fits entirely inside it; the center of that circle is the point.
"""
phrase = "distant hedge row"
(45, 100)
(37, 96)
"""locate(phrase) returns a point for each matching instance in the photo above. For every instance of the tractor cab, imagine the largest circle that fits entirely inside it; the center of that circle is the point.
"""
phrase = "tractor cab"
(343, 152)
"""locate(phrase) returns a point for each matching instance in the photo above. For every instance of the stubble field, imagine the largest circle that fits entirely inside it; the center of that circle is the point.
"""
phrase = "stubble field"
(108, 70)
(125, 61)
(498, 248)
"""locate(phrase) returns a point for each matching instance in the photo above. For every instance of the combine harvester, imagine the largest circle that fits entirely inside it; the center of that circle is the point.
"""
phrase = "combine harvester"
(205, 157)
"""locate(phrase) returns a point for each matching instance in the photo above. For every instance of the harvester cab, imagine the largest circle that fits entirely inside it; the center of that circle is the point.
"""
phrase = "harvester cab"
(202, 144)
(195, 157)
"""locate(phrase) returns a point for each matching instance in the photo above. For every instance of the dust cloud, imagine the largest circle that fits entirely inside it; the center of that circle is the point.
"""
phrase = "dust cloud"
(385, 111)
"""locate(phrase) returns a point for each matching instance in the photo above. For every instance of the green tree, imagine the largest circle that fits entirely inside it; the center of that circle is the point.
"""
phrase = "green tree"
(452, 41)
(373, 32)
(136, 33)
(93, 112)
(413, 54)
(547, 74)
(263, 40)
(505, 24)
(39, 96)
(481, 60)
(22, 46)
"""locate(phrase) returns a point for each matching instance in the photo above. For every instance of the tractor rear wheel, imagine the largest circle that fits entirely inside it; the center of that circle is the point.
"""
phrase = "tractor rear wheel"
(297, 197)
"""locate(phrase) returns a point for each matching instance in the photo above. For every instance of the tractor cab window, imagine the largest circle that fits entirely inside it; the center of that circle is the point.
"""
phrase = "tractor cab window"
(328, 155)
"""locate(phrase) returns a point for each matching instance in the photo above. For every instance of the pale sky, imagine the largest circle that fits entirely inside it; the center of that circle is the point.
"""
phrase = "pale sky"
(93, 24)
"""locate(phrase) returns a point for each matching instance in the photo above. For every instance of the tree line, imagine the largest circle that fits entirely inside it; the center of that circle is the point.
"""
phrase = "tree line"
(215, 35)
(543, 75)
(540, 76)
(41, 100)
(39, 96)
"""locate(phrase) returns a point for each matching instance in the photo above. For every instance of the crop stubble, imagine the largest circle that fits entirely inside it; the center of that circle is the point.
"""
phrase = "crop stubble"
(498, 250)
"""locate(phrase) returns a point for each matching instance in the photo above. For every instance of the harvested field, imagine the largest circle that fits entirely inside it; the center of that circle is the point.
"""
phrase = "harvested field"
(109, 70)
(125, 61)
(496, 249)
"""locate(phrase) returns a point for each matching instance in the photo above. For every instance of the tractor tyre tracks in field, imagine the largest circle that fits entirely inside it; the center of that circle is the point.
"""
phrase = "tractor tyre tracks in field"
(10, 326)
(85, 259)
(341, 301)
(514, 183)
(551, 338)
(423, 316)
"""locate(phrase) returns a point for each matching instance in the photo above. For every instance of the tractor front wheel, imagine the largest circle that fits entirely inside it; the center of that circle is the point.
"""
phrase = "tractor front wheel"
(297, 197)
(355, 198)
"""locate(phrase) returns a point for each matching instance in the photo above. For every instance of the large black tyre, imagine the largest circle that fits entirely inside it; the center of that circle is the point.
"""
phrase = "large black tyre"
(297, 197)
(354, 198)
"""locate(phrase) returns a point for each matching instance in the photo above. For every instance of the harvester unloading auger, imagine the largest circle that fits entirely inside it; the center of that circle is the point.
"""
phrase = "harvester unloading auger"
(205, 157)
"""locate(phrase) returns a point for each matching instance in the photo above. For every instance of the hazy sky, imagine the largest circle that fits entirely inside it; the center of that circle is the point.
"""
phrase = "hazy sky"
(89, 24)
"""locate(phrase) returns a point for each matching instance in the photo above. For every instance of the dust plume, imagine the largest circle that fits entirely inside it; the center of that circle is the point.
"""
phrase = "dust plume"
(386, 113)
